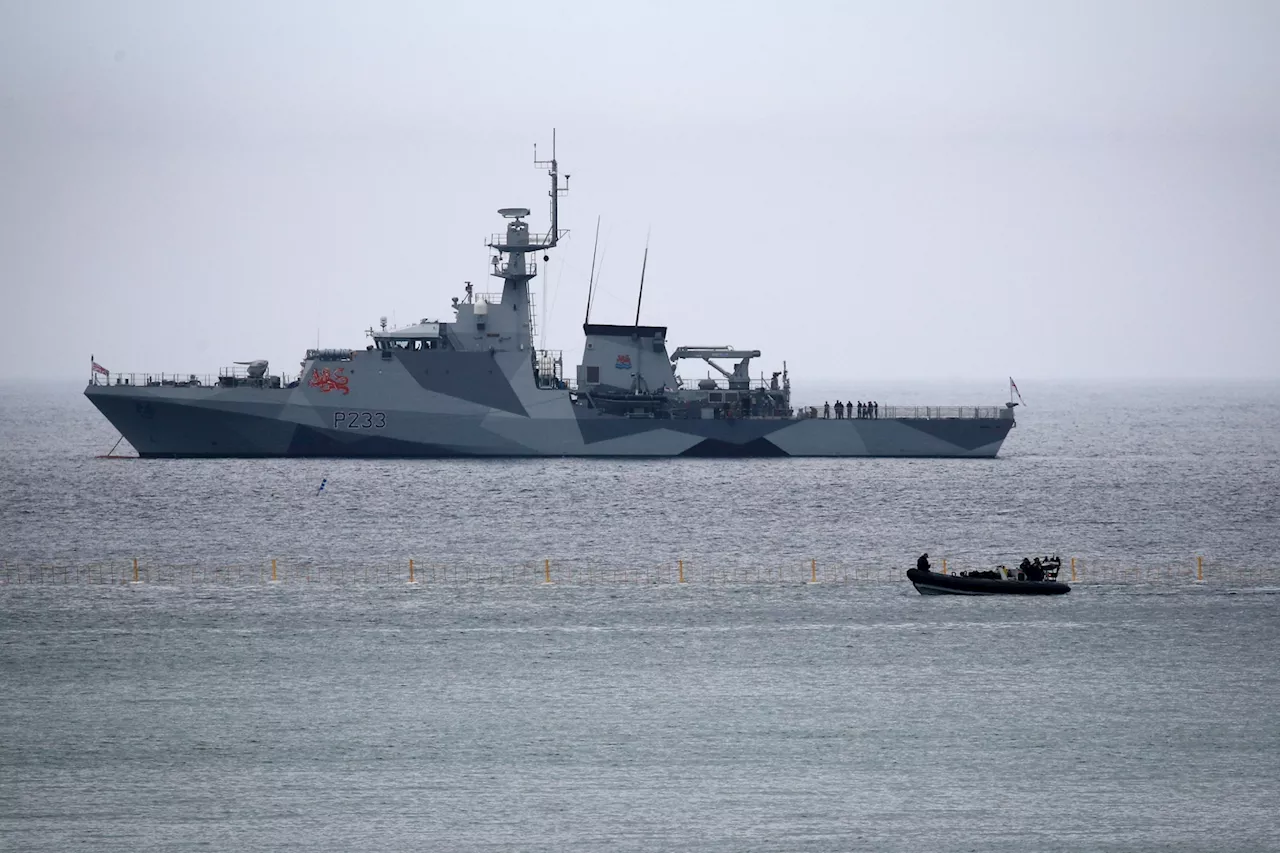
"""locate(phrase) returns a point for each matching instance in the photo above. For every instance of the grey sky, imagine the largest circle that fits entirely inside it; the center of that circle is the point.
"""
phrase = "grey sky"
(875, 190)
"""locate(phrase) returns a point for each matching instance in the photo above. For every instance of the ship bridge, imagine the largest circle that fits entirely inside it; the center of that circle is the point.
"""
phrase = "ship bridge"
(423, 335)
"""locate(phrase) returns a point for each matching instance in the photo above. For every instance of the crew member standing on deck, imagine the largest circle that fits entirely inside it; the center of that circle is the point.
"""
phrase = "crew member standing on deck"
(923, 563)
(839, 410)
(826, 411)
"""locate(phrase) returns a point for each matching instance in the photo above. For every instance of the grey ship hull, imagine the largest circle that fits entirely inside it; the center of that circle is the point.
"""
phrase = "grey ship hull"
(481, 404)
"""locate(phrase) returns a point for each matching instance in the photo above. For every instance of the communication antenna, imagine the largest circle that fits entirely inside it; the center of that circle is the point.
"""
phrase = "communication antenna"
(643, 265)
(592, 279)
(546, 319)
(553, 169)
(604, 253)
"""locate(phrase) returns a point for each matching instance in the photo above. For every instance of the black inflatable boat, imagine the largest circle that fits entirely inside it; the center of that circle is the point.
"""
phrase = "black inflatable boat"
(933, 583)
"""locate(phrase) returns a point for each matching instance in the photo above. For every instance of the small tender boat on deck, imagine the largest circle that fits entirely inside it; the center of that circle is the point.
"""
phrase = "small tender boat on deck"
(1002, 581)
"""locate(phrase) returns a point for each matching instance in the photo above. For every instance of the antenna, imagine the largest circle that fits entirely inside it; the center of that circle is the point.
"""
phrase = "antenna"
(643, 265)
(604, 253)
(546, 317)
(591, 281)
(553, 169)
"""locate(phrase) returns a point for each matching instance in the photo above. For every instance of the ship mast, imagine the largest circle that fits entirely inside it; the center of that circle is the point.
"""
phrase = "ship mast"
(511, 261)
(553, 170)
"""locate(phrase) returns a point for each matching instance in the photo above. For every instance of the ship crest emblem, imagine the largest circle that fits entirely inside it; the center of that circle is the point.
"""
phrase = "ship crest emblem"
(624, 362)
(326, 381)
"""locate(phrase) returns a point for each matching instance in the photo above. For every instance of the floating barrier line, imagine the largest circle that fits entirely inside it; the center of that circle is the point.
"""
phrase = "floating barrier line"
(738, 569)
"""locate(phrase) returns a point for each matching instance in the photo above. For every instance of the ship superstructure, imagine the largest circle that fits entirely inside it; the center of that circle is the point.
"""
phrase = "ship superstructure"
(476, 386)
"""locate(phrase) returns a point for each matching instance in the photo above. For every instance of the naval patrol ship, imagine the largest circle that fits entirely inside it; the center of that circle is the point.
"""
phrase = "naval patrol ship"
(476, 386)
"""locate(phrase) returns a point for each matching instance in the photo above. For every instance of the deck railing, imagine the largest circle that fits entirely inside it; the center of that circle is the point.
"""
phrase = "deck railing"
(151, 380)
(180, 380)
(913, 412)
(536, 240)
(722, 384)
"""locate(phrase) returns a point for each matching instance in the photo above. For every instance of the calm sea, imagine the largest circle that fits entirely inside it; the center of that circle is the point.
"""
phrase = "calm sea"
(481, 709)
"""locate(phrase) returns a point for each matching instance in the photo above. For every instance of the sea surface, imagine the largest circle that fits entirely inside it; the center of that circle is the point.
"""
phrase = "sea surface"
(749, 708)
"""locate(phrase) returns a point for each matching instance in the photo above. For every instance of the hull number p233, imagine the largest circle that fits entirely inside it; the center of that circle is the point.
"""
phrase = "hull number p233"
(359, 420)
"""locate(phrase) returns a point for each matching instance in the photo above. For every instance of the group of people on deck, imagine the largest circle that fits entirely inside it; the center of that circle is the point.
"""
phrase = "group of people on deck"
(863, 410)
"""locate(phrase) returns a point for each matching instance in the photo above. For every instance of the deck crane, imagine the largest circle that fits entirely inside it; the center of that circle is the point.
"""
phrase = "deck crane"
(739, 379)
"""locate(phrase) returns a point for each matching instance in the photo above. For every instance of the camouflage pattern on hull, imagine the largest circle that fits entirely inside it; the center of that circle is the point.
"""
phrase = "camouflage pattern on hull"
(447, 404)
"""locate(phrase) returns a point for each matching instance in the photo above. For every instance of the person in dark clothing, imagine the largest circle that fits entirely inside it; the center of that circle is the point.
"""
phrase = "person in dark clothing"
(1036, 572)
(860, 410)
(839, 410)
(923, 563)
(826, 410)
(875, 409)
